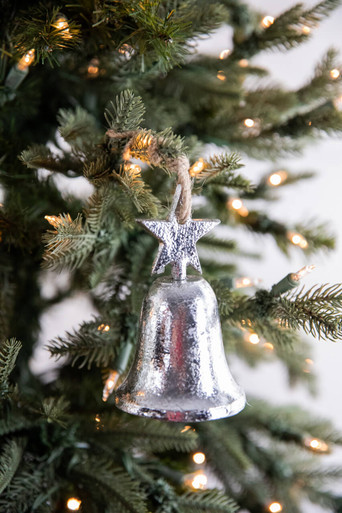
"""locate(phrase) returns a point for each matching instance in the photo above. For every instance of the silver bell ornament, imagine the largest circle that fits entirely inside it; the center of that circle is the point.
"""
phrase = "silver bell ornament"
(180, 371)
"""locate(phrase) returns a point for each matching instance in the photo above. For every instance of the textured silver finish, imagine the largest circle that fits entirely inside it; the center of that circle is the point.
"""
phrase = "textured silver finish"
(180, 371)
(178, 243)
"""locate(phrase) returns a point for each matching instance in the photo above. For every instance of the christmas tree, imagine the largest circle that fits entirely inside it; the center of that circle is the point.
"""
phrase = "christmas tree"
(115, 93)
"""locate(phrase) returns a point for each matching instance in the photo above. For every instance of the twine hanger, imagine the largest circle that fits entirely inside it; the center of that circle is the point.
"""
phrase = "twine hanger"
(179, 165)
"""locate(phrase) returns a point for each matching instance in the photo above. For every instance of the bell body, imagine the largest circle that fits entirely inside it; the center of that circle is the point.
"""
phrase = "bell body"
(180, 371)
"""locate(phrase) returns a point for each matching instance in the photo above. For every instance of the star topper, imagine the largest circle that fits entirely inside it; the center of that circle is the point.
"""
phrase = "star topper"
(177, 242)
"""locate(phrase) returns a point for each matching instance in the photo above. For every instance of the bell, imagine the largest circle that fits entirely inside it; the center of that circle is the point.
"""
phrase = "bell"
(180, 371)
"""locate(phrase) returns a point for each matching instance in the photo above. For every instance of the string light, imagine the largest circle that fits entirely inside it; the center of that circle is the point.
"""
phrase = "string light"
(243, 63)
(93, 68)
(103, 327)
(134, 170)
(197, 167)
(335, 73)
(63, 25)
(297, 239)
(110, 383)
(185, 429)
(306, 29)
(26, 60)
(126, 51)
(237, 205)
(221, 76)
(267, 21)
(275, 507)
(253, 338)
(245, 282)
(224, 54)
(309, 363)
(317, 445)
(268, 345)
(73, 504)
(277, 178)
(248, 122)
(56, 221)
(303, 272)
(198, 480)
(199, 458)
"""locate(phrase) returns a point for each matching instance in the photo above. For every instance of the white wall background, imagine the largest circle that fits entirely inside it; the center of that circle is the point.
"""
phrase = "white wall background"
(317, 198)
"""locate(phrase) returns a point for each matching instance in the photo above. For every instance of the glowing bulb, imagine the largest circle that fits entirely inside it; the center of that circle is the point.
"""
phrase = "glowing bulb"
(63, 25)
(335, 73)
(126, 154)
(277, 178)
(249, 123)
(199, 458)
(199, 481)
(246, 282)
(306, 29)
(236, 204)
(253, 338)
(221, 76)
(224, 54)
(303, 272)
(243, 63)
(316, 445)
(268, 345)
(73, 504)
(197, 167)
(134, 170)
(309, 361)
(267, 21)
(185, 429)
(275, 507)
(103, 327)
(298, 240)
(110, 383)
(93, 68)
(26, 60)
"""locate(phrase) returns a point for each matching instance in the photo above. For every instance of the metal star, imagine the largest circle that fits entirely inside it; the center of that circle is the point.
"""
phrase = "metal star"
(178, 243)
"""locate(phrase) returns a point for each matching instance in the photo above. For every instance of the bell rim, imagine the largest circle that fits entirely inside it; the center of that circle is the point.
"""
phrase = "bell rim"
(211, 413)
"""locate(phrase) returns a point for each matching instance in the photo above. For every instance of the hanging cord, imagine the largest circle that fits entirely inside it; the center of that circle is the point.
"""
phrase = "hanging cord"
(179, 165)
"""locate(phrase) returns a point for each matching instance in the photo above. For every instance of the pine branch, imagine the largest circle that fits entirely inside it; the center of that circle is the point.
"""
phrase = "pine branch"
(78, 128)
(317, 311)
(9, 350)
(127, 112)
(138, 191)
(210, 501)
(39, 156)
(219, 170)
(150, 435)
(54, 409)
(89, 345)
(10, 459)
(114, 483)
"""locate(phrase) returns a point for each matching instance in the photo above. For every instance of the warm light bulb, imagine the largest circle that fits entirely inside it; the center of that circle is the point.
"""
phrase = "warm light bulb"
(267, 21)
(306, 29)
(253, 338)
(110, 383)
(134, 170)
(249, 123)
(297, 239)
(199, 481)
(243, 63)
(103, 327)
(268, 345)
(185, 429)
(335, 73)
(317, 445)
(73, 504)
(26, 60)
(236, 204)
(93, 68)
(277, 178)
(197, 167)
(63, 25)
(221, 76)
(246, 282)
(199, 458)
(275, 507)
(224, 54)
(303, 272)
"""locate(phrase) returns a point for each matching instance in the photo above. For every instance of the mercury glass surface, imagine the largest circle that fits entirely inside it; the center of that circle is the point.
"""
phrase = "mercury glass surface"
(180, 372)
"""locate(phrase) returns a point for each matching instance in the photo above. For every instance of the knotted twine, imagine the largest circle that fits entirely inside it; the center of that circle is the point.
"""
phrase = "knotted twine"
(179, 165)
